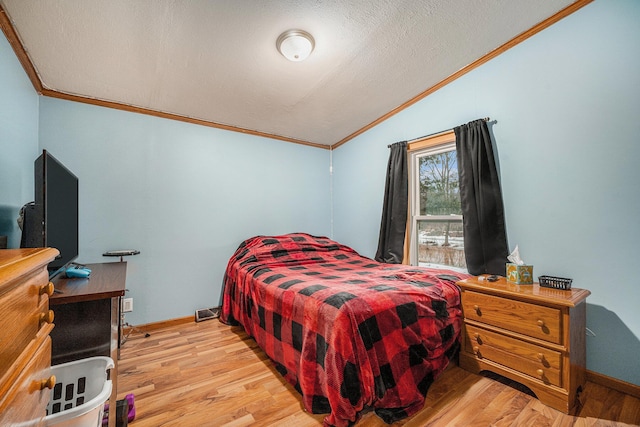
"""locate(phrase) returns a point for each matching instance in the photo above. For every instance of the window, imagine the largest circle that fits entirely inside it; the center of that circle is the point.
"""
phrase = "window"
(436, 238)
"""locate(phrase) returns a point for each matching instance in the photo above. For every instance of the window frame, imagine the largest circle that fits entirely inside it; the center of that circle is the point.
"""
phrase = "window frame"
(434, 144)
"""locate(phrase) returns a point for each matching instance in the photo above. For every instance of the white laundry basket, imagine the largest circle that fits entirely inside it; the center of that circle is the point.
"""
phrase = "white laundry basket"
(81, 389)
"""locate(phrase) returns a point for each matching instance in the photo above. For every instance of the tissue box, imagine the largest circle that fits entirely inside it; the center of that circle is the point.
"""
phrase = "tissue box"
(520, 274)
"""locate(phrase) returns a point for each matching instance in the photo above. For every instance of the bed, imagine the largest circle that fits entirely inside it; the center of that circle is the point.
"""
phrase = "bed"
(349, 333)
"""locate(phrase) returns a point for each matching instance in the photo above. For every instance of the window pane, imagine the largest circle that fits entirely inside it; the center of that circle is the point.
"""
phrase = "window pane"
(441, 243)
(439, 188)
(438, 239)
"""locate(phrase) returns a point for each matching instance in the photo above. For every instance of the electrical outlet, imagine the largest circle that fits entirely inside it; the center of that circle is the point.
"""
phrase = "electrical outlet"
(127, 305)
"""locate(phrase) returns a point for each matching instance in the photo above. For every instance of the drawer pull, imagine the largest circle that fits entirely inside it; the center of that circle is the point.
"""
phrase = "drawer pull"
(541, 323)
(47, 317)
(543, 360)
(476, 351)
(540, 372)
(478, 338)
(48, 383)
(476, 308)
(47, 289)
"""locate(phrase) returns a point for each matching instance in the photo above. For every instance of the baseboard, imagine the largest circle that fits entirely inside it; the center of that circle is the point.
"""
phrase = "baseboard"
(614, 384)
(148, 327)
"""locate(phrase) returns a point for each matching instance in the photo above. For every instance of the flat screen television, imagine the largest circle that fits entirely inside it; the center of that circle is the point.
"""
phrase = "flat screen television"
(52, 220)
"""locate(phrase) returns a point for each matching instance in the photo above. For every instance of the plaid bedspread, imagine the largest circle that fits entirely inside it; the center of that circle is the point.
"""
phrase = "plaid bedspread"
(347, 332)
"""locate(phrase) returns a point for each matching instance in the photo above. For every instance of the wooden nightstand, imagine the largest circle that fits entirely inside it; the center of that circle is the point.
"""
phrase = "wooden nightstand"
(530, 334)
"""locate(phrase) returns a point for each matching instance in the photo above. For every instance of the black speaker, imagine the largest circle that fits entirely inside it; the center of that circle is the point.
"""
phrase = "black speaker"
(32, 226)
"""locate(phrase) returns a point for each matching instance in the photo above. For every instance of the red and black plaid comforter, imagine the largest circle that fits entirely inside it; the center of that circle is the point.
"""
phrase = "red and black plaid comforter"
(347, 332)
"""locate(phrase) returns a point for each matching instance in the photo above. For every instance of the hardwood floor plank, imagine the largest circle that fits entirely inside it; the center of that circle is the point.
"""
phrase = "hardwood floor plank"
(630, 409)
(494, 405)
(528, 416)
(210, 374)
(467, 401)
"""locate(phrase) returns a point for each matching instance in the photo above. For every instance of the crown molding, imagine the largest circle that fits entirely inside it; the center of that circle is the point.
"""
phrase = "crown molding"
(12, 36)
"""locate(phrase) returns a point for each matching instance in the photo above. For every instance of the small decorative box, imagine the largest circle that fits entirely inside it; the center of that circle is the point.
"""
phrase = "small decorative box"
(520, 274)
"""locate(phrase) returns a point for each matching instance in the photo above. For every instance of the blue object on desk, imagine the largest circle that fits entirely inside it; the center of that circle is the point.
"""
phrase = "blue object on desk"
(77, 272)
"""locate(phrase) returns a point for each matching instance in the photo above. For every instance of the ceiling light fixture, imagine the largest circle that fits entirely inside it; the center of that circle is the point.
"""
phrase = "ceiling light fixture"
(295, 45)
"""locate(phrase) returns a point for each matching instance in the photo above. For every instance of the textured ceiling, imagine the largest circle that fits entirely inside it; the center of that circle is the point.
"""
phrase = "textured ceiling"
(215, 60)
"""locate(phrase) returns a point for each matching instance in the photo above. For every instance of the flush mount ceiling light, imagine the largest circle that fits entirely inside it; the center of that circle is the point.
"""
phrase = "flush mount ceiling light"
(295, 45)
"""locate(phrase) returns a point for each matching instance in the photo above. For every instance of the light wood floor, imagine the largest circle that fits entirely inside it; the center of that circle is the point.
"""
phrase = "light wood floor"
(210, 374)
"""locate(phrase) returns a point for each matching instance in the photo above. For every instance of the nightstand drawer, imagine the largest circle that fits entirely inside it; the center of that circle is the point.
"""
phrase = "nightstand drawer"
(517, 316)
(536, 361)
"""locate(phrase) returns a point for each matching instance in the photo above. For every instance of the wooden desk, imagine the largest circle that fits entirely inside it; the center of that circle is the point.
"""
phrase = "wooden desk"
(87, 317)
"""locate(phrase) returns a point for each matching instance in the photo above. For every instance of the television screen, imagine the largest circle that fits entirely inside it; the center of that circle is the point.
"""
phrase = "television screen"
(55, 211)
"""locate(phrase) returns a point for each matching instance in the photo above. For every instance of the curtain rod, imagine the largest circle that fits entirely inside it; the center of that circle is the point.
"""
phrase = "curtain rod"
(486, 119)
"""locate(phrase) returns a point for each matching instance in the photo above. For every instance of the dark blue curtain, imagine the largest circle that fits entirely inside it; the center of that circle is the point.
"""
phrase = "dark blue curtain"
(394, 211)
(485, 240)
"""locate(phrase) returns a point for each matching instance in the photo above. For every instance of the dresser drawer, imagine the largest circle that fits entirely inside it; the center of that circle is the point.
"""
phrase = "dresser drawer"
(24, 309)
(516, 316)
(530, 359)
(25, 402)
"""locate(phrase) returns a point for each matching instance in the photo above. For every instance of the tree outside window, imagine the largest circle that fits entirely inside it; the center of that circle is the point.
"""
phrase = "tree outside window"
(437, 219)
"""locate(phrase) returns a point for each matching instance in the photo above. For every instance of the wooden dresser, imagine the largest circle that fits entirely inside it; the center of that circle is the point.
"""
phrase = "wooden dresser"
(25, 345)
(530, 334)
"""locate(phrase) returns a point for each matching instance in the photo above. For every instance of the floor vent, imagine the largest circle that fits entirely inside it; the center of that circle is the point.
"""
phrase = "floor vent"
(207, 313)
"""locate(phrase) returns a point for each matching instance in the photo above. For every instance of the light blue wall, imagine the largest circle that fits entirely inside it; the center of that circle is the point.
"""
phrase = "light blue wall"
(184, 195)
(18, 141)
(567, 105)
